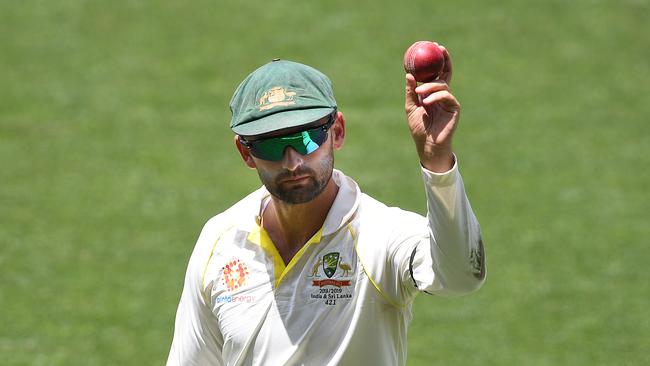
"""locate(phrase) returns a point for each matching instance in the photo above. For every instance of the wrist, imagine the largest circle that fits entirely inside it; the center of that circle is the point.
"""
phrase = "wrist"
(439, 161)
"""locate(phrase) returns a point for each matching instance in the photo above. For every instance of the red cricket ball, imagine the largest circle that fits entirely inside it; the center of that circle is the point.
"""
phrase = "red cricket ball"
(424, 60)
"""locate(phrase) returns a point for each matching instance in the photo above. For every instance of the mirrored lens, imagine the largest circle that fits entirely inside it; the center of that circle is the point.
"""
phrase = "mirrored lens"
(305, 142)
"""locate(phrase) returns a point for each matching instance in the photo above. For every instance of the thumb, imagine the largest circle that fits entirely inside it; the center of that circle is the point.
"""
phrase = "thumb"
(412, 100)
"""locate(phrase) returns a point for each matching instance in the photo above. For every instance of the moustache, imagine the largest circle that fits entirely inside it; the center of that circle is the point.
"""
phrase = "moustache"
(300, 172)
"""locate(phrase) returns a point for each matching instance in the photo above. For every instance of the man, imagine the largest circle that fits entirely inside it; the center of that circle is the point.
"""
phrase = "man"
(307, 270)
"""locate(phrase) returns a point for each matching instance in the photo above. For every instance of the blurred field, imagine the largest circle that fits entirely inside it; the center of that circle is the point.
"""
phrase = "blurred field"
(115, 149)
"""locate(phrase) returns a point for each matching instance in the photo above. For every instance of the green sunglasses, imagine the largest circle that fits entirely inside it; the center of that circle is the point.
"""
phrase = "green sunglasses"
(305, 142)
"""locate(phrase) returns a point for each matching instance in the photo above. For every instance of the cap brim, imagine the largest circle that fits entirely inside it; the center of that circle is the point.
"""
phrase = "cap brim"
(282, 120)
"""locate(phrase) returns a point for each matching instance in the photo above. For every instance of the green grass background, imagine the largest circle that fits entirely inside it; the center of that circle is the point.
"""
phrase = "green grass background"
(115, 149)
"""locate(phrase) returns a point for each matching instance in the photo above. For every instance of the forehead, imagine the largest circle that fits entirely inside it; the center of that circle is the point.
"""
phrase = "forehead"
(290, 130)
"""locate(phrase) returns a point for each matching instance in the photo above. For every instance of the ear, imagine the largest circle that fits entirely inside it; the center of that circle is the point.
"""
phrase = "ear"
(338, 131)
(245, 153)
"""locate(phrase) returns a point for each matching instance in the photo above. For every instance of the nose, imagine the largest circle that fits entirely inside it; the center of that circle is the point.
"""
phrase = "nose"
(291, 159)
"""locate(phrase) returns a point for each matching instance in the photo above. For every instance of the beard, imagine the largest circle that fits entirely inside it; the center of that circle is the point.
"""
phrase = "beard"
(303, 191)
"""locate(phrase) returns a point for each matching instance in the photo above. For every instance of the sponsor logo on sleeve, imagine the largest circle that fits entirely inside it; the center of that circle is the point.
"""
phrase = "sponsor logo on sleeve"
(234, 274)
(477, 260)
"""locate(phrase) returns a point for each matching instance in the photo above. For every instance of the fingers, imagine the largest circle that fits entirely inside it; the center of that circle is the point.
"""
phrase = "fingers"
(446, 69)
(411, 98)
(428, 94)
(437, 92)
(431, 87)
(444, 99)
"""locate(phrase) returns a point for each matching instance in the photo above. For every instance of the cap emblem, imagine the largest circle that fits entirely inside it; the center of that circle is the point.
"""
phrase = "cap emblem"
(276, 97)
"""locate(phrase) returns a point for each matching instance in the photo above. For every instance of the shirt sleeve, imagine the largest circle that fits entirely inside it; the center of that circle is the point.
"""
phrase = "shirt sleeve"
(441, 254)
(197, 339)
(450, 260)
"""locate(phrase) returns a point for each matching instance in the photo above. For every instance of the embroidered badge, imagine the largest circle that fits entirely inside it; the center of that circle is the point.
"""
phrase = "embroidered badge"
(338, 284)
(276, 97)
(316, 267)
(330, 261)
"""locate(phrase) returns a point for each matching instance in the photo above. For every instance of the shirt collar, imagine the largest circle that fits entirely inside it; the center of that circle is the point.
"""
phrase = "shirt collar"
(345, 204)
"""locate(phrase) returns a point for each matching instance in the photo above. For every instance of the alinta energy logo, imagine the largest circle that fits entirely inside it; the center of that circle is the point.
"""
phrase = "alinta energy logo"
(234, 274)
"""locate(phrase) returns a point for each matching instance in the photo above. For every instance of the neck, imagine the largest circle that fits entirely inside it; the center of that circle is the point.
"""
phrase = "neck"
(290, 226)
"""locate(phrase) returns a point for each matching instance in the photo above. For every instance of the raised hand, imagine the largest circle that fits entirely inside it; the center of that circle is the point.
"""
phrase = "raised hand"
(433, 113)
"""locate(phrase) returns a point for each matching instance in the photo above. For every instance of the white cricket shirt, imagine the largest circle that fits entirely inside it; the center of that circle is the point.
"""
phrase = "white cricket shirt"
(344, 299)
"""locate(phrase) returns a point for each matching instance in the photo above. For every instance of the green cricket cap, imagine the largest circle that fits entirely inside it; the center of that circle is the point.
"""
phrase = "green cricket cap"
(278, 95)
